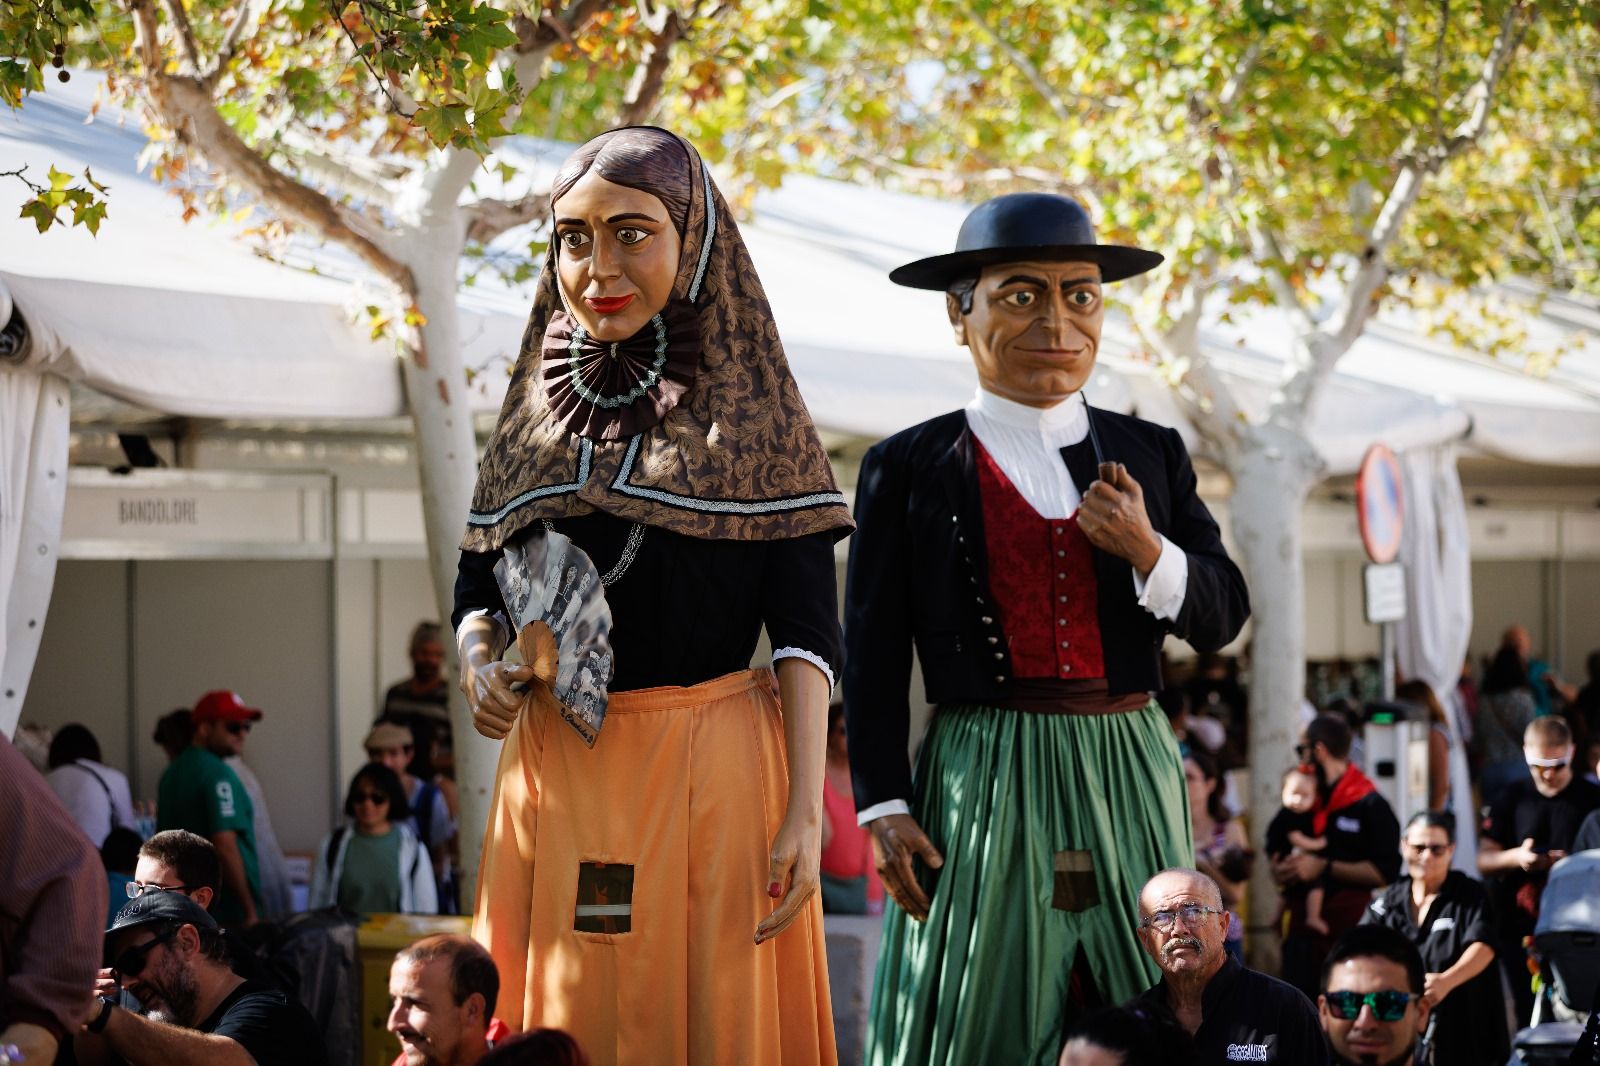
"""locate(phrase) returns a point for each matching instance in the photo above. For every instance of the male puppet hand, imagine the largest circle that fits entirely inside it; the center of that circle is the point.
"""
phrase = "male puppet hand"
(1113, 517)
(896, 839)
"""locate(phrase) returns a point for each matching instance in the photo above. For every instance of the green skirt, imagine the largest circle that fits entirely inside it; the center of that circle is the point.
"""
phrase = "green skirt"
(1049, 825)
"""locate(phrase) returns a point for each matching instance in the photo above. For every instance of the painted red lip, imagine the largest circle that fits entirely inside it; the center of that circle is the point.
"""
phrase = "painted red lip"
(609, 305)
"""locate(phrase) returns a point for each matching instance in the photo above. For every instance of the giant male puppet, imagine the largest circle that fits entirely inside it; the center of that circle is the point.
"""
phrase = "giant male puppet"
(1035, 551)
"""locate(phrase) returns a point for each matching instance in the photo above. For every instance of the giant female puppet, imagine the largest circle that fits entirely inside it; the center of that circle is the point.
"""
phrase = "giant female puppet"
(1035, 551)
(654, 893)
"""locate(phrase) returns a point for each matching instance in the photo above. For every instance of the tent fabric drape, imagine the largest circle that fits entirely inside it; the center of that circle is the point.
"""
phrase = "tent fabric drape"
(34, 426)
(1432, 640)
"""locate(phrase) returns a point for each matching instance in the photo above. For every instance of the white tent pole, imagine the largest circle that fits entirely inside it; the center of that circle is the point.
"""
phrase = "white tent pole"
(34, 427)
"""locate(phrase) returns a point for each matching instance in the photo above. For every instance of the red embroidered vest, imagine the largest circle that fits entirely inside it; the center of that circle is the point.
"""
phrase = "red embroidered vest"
(1041, 572)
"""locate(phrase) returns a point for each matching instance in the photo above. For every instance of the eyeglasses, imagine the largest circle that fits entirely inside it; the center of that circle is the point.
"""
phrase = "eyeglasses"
(135, 889)
(238, 729)
(131, 962)
(1420, 850)
(371, 797)
(1166, 921)
(1387, 1006)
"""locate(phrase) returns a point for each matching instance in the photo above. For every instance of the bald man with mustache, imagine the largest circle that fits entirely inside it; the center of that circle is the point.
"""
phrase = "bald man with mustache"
(1233, 1013)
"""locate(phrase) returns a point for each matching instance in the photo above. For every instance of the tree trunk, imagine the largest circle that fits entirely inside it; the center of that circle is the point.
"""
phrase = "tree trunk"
(436, 389)
(1272, 475)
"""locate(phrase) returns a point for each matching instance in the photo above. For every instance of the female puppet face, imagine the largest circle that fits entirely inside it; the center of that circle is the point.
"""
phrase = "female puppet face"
(617, 256)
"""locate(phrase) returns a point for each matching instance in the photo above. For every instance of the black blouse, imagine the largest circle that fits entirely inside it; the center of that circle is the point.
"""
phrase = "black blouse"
(687, 610)
(1471, 1028)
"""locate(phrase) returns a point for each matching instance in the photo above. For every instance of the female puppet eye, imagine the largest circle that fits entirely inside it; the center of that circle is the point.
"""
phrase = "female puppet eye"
(1083, 297)
(574, 238)
(631, 235)
(1021, 298)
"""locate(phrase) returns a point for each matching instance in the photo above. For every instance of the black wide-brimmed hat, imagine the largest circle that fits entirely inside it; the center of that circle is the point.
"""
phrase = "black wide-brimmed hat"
(1024, 225)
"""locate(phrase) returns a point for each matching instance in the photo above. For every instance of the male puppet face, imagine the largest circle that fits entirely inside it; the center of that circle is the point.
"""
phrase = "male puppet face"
(1034, 329)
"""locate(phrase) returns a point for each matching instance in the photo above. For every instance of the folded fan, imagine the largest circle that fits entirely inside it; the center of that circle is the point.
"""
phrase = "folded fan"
(563, 623)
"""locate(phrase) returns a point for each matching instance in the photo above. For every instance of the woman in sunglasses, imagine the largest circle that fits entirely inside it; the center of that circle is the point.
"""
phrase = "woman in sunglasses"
(374, 864)
(1446, 914)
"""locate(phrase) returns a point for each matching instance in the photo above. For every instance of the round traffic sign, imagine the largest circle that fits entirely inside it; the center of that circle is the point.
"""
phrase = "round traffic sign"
(1379, 508)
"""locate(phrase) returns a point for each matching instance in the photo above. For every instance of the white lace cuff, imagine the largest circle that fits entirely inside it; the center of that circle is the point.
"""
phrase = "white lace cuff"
(811, 657)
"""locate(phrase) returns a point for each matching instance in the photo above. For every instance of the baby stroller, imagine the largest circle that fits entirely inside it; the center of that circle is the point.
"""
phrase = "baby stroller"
(1566, 948)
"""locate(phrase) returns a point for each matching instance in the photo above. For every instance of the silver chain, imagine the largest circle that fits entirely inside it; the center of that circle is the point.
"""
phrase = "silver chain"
(629, 550)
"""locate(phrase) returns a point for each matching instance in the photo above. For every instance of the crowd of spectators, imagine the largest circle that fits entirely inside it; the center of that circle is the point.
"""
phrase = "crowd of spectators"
(1387, 944)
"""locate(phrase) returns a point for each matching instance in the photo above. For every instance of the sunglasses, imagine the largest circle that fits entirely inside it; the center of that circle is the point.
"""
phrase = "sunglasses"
(131, 962)
(135, 889)
(238, 729)
(371, 797)
(1387, 1006)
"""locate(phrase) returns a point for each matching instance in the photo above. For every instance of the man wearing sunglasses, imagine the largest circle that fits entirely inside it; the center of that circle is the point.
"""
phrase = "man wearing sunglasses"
(168, 952)
(1233, 1013)
(1532, 826)
(1372, 1004)
(201, 793)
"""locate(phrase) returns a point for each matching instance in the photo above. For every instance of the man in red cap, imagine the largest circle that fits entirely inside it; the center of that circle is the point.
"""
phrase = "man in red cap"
(200, 793)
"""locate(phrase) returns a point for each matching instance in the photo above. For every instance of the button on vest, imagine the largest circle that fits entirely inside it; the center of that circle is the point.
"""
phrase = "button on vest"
(1041, 572)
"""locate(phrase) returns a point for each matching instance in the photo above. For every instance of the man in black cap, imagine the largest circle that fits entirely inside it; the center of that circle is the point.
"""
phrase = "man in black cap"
(167, 950)
(1035, 551)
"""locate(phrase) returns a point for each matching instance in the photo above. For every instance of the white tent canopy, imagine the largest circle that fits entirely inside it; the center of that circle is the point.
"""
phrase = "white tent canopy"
(185, 319)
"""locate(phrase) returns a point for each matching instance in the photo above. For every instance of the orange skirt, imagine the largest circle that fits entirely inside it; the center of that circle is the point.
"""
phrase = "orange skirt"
(621, 886)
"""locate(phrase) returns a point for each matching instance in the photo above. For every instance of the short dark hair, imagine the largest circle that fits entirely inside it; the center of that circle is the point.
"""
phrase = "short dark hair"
(386, 781)
(1144, 1034)
(540, 1047)
(962, 289)
(71, 743)
(1506, 671)
(1332, 732)
(190, 855)
(119, 853)
(1376, 942)
(175, 729)
(425, 633)
(471, 968)
(1436, 820)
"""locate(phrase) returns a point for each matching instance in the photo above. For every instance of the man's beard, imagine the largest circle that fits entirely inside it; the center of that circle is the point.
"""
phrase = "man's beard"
(177, 999)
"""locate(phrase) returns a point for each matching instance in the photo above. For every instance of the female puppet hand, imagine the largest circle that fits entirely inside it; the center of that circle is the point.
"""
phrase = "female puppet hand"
(795, 864)
(489, 694)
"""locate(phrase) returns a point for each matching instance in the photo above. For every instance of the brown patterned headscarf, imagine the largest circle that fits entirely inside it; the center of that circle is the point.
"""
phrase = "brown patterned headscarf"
(716, 444)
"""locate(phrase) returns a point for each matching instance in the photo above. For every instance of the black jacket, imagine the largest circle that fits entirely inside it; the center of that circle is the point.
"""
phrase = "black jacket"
(919, 574)
(1246, 1016)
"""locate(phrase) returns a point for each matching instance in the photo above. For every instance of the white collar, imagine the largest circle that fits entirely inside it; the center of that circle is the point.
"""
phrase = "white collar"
(1065, 418)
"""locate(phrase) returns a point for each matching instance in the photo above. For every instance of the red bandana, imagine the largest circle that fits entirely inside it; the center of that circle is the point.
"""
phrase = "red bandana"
(1352, 785)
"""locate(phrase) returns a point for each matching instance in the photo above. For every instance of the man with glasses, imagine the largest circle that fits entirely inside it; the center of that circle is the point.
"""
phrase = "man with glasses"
(1534, 824)
(1372, 1004)
(1234, 1014)
(168, 952)
(200, 793)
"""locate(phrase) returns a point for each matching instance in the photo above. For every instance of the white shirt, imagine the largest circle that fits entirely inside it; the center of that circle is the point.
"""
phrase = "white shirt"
(96, 807)
(1025, 443)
